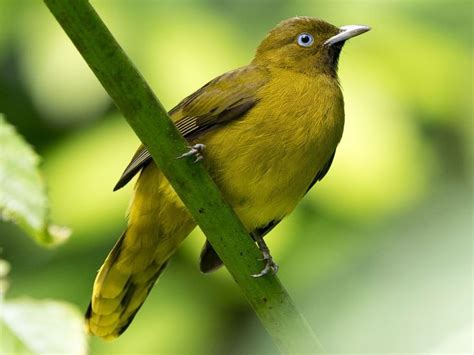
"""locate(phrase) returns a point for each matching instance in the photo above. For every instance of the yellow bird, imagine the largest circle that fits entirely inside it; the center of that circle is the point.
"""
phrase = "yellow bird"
(266, 132)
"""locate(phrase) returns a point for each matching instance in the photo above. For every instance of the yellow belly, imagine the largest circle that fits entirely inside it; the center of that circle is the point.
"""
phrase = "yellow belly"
(265, 162)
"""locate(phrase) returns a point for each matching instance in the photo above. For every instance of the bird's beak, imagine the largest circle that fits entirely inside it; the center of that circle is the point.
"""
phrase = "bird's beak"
(346, 33)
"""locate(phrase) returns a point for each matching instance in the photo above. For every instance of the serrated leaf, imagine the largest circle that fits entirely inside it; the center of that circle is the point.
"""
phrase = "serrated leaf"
(23, 198)
(41, 327)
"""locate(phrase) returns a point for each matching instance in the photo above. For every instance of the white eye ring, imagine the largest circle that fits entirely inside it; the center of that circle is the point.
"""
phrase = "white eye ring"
(305, 39)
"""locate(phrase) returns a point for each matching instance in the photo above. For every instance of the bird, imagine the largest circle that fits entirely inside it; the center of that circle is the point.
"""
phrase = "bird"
(266, 133)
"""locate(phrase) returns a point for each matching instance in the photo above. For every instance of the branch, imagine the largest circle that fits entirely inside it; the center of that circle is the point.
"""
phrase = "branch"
(150, 121)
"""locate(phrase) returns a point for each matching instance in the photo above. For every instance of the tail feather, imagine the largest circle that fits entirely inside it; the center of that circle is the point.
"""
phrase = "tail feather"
(158, 223)
(118, 296)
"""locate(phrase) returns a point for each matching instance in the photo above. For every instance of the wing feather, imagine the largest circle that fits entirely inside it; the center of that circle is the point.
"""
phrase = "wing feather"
(322, 173)
(222, 100)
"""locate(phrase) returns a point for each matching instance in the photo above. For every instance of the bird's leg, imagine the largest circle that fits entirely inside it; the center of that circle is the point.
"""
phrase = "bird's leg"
(270, 265)
(194, 151)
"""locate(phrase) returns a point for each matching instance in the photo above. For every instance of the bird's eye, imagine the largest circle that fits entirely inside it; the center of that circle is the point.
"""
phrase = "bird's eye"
(305, 39)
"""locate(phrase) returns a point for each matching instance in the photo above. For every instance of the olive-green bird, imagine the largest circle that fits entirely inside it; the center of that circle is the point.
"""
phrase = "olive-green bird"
(267, 132)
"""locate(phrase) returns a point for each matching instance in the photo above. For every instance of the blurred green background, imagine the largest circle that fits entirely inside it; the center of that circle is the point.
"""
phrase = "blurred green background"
(378, 256)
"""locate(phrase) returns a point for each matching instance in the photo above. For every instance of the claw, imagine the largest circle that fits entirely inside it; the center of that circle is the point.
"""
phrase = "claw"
(270, 267)
(196, 151)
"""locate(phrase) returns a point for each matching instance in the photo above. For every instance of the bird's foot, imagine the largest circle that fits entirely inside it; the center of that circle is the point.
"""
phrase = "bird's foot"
(270, 266)
(194, 151)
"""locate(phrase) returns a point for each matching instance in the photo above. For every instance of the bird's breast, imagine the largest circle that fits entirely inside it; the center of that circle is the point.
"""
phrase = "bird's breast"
(265, 162)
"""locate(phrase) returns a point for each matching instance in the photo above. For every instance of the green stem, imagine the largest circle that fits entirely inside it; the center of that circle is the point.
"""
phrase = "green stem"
(150, 121)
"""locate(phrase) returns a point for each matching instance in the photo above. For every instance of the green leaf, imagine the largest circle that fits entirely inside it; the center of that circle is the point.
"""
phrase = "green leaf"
(41, 327)
(23, 198)
(4, 270)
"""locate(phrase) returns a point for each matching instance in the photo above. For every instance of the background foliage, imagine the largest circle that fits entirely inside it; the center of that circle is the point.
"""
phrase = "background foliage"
(378, 256)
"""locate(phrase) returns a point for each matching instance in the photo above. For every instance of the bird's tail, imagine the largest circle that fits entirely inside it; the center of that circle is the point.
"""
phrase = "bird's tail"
(158, 223)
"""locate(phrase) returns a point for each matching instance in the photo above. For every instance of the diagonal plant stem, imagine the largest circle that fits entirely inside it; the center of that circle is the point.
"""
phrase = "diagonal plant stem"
(147, 117)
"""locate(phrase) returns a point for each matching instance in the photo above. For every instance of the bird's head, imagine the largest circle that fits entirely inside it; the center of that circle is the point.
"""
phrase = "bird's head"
(306, 44)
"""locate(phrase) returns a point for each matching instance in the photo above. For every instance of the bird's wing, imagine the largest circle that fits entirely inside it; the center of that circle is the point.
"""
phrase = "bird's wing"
(210, 261)
(139, 160)
(224, 99)
(322, 173)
